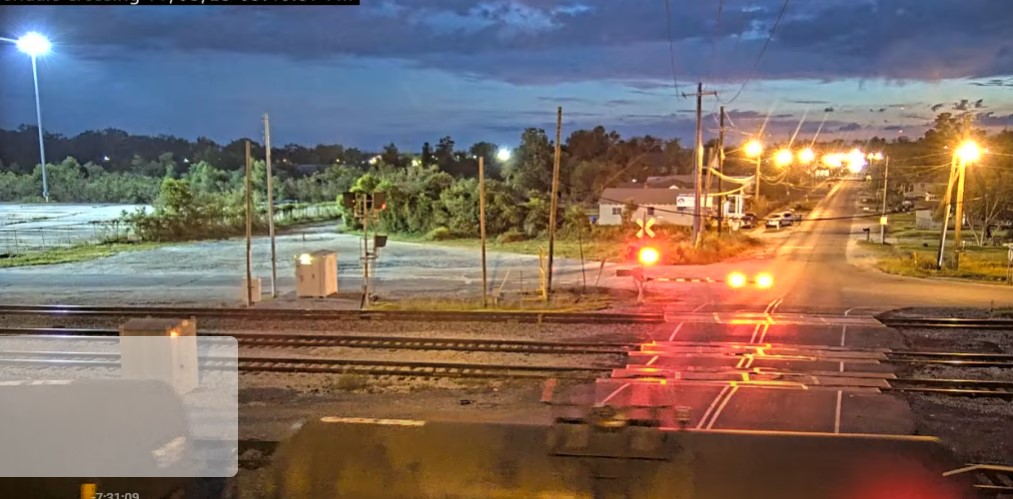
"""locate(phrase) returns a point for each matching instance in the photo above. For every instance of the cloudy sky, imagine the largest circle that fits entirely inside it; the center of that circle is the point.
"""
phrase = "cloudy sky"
(410, 71)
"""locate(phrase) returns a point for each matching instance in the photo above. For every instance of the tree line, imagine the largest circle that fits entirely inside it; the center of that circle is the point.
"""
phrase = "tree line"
(432, 189)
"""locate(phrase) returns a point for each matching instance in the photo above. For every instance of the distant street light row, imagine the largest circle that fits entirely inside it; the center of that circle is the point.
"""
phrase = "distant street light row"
(35, 45)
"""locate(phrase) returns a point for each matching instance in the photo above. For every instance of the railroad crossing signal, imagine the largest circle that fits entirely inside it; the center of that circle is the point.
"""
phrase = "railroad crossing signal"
(645, 228)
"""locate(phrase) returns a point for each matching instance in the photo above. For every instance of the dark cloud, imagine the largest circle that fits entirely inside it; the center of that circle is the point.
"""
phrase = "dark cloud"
(978, 104)
(892, 128)
(538, 41)
(620, 102)
(936, 107)
(995, 82)
(804, 101)
(850, 127)
(962, 105)
(990, 119)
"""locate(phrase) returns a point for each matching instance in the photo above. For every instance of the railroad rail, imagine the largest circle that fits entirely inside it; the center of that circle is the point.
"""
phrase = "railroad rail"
(945, 323)
(323, 365)
(991, 480)
(284, 340)
(962, 387)
(309, 314)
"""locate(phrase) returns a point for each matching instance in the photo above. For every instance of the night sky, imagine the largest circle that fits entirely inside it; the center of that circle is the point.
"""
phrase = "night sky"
(410, 71)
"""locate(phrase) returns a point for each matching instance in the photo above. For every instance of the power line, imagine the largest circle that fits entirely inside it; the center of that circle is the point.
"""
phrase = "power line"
(671, 48)
(763, 50)
(714, 39)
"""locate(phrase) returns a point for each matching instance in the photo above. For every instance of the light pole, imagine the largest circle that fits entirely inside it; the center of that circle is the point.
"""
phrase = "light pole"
(754, 149)
(35, 45)
(968, 152)
(886, 177)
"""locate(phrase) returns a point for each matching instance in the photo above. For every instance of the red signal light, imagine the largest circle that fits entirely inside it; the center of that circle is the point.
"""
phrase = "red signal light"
(648, 255)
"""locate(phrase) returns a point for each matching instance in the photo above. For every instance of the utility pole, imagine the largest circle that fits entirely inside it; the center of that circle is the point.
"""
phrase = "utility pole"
(721, 168)
(882, 221)
(555, 194)
(481, 225)
(249, 227)
(270, 206)
(946, 215)
(958, 221)
(699, 159)
(366, 210)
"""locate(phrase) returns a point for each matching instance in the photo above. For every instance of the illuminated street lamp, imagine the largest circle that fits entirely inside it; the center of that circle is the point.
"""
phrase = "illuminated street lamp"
(36, 45)
(754, 149)
(783, 158)
(503, 154)
(807, 156)
(967, 152)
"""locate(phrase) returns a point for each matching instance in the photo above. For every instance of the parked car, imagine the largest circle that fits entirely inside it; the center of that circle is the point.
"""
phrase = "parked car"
(778, 220)
(749, 221)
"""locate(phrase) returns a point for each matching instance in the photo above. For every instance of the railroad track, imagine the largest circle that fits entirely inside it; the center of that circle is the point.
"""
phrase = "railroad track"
(322, 365)
(285, 340)
(960, 387)
(306, 314)
(945, 323)
(990, 480)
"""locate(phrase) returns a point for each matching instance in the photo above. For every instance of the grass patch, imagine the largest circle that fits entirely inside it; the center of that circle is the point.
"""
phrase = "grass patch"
(561, 301)
(979, 264)
(675, 248)
(71, 254)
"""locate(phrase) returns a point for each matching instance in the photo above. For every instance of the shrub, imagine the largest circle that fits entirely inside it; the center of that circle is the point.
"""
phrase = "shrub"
(439, 234)
(511, 236)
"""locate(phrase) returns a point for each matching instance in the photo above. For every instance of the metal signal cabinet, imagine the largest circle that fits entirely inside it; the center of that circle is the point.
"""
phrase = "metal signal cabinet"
(160, 349)
(316, 274)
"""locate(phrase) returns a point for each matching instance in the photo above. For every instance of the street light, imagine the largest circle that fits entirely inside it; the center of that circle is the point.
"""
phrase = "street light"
(807, 156)
(36, 45)
(783, 158)
(754, 149)
(967, 152)
(503, 154)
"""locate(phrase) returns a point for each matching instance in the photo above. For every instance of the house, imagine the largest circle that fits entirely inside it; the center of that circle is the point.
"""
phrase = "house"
(928, 191)
(666, 205)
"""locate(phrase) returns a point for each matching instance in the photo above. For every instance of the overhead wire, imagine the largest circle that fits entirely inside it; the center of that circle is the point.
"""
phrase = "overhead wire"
(671, 48)
(763, 49)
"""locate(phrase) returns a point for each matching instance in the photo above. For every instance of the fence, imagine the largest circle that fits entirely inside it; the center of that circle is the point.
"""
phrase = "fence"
(18, 240)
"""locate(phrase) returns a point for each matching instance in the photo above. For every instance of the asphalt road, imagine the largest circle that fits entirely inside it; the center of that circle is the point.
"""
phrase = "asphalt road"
(813, 271)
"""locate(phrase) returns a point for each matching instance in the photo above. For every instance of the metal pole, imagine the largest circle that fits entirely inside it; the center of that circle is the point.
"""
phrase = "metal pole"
(946, 216)
(553, 205)
(721, 168)
(270, 207)
(38, 118)
(959, 218)
(756, 190)
(249, 227)
(699, 164)
(481, 225)
(365, 248)
(886, 178)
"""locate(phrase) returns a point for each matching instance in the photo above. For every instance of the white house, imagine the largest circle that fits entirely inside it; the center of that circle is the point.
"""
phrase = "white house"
(667, 206)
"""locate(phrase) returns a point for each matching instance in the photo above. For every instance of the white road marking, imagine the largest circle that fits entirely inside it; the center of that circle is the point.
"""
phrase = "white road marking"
(652, 361)
(717, 413)
(844, 331)
(763, 335)
(706, 415)
(677, 328)
(848, 311)
(702, 305)
(616, 392)
(837, 414)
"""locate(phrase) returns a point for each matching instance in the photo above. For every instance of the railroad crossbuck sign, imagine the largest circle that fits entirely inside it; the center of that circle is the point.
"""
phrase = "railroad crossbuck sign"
(645, 227)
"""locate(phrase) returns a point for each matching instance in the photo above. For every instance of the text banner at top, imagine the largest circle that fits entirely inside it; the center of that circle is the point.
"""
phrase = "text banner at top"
(182, 2)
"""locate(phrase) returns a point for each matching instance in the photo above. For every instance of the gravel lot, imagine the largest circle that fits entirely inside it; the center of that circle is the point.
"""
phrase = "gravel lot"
(977, 429)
